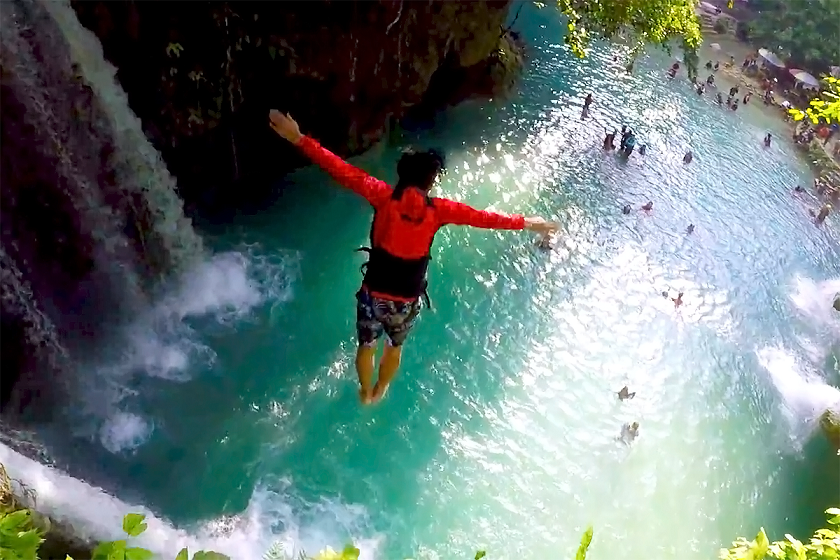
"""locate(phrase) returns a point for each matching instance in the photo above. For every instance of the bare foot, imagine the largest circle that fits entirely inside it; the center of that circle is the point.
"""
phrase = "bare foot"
(378, 393)
(365, 396)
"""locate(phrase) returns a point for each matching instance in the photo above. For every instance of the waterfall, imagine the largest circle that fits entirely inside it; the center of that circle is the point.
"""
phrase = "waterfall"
(91, 218)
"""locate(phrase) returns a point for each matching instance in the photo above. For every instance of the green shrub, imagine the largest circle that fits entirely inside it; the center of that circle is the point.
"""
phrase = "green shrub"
(19, 538)
(824, 545)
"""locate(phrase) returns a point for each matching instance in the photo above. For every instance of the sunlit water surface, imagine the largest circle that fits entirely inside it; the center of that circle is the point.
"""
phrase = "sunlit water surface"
(237, 392)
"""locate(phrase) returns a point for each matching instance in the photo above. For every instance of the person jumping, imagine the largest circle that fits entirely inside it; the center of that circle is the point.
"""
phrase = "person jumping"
(405, 221)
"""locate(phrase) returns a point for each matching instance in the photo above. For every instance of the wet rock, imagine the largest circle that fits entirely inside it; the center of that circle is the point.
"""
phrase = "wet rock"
(837, 302)
(830, 424)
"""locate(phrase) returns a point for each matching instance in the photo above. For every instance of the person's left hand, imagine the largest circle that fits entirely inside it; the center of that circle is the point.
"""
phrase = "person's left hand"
(285, 126)
(540, 225)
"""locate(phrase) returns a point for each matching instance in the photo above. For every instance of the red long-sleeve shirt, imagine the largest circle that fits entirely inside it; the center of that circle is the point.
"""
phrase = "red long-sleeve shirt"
(407, 238)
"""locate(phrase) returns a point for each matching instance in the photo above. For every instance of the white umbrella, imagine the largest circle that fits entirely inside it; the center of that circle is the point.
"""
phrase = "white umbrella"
(771, 58)
(715, 46)
(805, 78)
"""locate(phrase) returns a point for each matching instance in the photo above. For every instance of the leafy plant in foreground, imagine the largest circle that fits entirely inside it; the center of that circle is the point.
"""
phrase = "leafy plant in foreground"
(824, 545)
(19, 539)
(134, 524)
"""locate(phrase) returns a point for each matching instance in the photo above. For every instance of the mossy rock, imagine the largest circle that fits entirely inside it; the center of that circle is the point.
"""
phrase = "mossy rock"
(830, 424)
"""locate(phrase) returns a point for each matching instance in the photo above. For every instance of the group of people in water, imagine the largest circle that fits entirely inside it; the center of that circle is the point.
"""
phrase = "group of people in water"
(627, 143)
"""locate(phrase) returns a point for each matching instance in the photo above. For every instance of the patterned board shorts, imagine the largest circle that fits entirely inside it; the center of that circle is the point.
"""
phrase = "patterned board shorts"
(375, 316)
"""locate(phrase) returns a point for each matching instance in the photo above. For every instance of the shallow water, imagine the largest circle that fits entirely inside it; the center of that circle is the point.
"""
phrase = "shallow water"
(237, 391)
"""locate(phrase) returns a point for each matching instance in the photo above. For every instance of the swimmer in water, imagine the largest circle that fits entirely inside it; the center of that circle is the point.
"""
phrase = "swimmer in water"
(629, 144)
(799, 189)
(677, 300)
(629, 432)
(689, 156)
(545, 242)
(625, 394)
(643, 149)
(625, 134)
(767, 140)
(627, 208)
(609, 140)
(823, 214)
(690, 229)
(648, 207)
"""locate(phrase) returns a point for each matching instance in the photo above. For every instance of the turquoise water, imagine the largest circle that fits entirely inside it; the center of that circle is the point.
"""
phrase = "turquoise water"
(237, 392)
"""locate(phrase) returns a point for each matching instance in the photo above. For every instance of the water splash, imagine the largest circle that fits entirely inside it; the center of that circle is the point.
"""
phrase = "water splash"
(271, 517)
(224, 291)
(815, 299)
(805, 395)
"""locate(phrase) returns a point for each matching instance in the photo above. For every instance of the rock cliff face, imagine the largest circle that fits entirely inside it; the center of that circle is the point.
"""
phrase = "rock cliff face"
(90, 217)
(202, 76)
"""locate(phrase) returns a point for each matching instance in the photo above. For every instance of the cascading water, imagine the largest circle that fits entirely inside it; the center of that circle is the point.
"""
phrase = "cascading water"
(91, 219)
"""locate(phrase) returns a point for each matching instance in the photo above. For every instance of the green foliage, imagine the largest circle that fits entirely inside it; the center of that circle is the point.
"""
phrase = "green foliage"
(585, 541)
(134, 524)
(19, 538)
(806, 31)
(824, 108)
(824, 545)
(656, 22)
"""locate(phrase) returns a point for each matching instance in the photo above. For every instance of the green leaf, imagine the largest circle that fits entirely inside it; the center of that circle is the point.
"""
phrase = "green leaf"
(137, 553)
(585, 541)
(835, 515)
(209, 555)
(13, 522)
(117, 551)
(272, 52)
(350, 552)
(102, 550)
(480, 554)
(133, 524)
(183, 555)
(761, 545)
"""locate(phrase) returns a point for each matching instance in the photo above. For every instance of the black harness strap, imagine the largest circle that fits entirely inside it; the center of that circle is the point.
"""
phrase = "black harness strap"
(363, 269)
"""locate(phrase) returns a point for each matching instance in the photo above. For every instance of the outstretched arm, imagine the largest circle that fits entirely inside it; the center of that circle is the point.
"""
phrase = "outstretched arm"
(457, 213)
(346, 175)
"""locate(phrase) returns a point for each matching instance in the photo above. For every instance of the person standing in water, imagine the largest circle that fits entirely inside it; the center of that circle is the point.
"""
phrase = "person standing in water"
(405, 221)
(629, 144)
(767, 140)
(625, 134)
(586, 104)
(609, 140)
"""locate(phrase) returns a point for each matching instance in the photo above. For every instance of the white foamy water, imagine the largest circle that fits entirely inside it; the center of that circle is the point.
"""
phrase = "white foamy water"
(268, 521)
(226, 289)
(805, 395)
(815, 299)
(125, 430)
